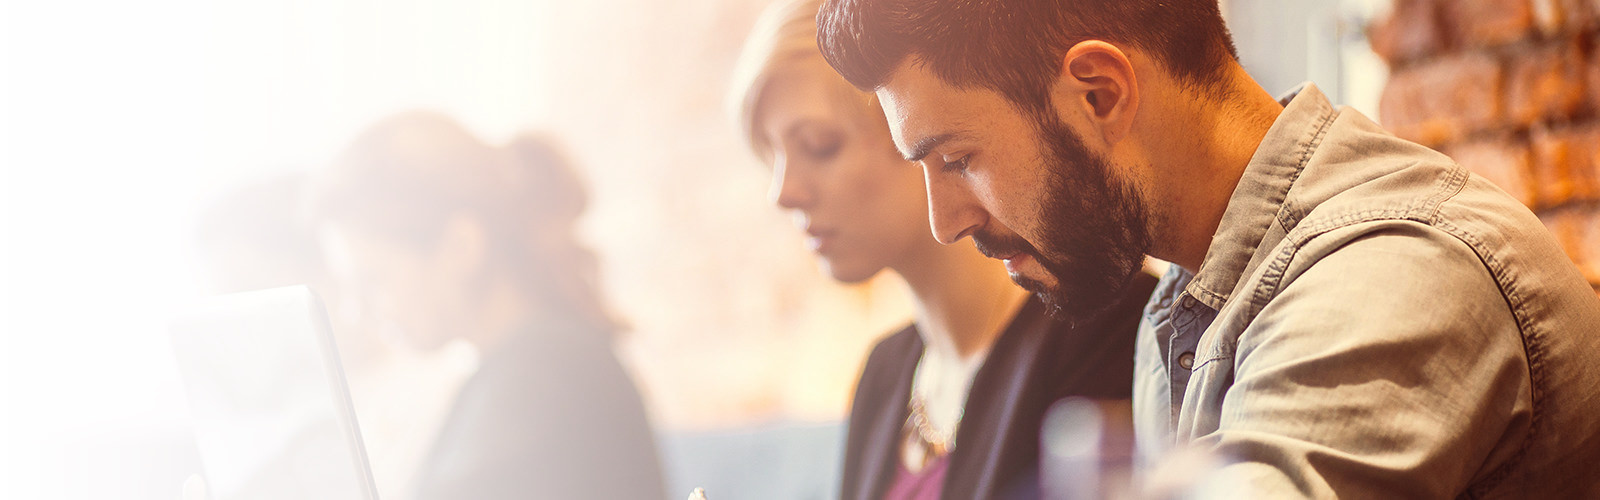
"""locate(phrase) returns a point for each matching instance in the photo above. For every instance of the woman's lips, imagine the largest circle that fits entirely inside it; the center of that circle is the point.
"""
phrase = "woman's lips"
(817, 240)
(816, 243)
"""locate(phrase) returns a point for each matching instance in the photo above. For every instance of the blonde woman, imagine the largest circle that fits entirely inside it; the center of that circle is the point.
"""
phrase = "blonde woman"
(950, 406)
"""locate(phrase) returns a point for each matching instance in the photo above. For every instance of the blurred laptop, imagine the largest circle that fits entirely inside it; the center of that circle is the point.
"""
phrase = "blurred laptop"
(272, 412)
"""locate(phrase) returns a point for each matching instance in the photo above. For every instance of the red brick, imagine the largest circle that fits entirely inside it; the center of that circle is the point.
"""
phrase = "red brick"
(1445, 99)
(1594, 73)
(1587, 13)
(1588, 250)
(1564, 164)
(1586, 163)
(1546, 82)
(1567, 227)
(1550, 16)
(1488, 22)
(1563, 16)
(1578, 232)
(1583, 161)
(1582, 14)
(1552, 162)
(1503, 162)
(1411, 31)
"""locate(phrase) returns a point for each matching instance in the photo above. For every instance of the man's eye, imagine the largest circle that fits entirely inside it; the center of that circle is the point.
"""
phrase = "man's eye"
(957, 165)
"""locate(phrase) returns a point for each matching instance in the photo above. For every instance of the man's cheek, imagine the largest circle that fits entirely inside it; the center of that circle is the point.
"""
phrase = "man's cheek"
(995, 197)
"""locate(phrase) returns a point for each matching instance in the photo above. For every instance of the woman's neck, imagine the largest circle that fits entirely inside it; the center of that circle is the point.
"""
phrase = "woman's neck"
(962, 300)
(502, 310)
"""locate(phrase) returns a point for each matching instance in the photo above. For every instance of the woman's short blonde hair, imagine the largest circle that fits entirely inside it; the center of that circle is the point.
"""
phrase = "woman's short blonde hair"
(784, 37)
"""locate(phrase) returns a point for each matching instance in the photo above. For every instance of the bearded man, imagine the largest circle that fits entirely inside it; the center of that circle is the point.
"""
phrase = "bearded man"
(1348, 314)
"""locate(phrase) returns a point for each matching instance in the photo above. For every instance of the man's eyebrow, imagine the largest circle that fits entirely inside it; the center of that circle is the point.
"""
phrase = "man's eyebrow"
(925, 146)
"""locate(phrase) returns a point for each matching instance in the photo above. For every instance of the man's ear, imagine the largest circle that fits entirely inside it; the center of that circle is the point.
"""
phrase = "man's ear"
(1097, 84)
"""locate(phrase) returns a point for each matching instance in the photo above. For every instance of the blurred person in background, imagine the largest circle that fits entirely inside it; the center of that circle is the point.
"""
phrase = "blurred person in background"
(437, 237)
(951, 406)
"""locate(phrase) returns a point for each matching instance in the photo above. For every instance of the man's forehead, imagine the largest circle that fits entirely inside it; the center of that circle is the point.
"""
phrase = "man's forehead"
(909, 85)
(918, 104)
(895, 113)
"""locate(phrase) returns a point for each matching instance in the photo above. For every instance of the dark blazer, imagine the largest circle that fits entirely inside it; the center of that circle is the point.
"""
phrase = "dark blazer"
(550, 414)
(1037, 361)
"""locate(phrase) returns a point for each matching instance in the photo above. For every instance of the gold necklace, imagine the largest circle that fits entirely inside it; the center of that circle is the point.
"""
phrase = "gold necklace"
(919, 426)
(933, 442)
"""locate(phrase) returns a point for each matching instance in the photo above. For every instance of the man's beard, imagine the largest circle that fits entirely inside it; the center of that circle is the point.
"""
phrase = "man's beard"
(1092, 228)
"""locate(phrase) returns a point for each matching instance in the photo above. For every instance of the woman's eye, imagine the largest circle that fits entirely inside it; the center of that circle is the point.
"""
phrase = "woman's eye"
(824, 150)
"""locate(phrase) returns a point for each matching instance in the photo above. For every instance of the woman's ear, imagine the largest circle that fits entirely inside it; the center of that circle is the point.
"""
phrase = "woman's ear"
(1097, 86)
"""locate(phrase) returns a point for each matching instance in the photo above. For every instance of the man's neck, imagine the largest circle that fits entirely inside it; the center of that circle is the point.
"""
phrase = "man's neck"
(1201, 174)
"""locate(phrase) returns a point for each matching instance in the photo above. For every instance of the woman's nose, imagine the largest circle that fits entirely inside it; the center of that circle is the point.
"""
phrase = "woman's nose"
(789, 188)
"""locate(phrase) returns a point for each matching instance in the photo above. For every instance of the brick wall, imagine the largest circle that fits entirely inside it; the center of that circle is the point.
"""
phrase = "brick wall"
(1511, 90)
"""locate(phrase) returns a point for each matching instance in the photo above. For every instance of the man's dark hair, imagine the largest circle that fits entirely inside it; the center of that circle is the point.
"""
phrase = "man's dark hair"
(1015, 46)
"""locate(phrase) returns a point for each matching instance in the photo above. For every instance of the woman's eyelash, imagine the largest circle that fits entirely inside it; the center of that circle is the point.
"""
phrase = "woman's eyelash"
(825, 150)
(820, 147)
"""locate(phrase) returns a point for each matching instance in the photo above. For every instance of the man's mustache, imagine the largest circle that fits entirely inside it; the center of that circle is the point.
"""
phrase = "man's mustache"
(997, 247)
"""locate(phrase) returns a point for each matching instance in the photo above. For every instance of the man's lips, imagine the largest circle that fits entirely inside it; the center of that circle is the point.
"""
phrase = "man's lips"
(996, 252)
(1013, 256)
(1014, 252)
(1015, 261)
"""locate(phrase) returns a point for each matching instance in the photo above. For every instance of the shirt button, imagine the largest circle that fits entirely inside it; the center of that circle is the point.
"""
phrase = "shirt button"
(1186, 360)
(1188, 302)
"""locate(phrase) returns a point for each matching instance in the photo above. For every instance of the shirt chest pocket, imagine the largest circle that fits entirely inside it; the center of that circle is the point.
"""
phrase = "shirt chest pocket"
(1209, 382)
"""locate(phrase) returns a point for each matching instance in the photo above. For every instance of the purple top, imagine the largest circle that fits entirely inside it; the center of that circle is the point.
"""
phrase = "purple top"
(922, 485)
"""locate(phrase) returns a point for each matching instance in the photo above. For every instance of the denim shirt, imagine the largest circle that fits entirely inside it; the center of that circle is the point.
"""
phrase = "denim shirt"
(1373, 321)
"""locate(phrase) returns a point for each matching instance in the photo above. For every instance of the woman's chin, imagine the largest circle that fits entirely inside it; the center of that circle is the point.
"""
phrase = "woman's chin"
(846, 273)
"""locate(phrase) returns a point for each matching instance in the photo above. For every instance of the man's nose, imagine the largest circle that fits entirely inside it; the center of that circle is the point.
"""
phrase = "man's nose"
(952, 211)
(789, 189)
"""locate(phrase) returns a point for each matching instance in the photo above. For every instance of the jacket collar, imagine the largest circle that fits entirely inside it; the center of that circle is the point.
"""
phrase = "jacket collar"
(1251, 225)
